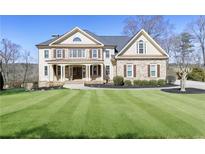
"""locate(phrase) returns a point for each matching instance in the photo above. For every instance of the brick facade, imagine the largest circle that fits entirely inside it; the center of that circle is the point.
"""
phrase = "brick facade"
(142, 69)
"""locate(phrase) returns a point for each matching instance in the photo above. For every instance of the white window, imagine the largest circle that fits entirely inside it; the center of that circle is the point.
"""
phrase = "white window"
(59, 53)
(74, 53)
(141, 47)
(153, 70)
(107, 54)
(45, 70)
(107, 70)
(129, 70)
(76, 39)
(46, 54)
(94, 53)
(77, 53)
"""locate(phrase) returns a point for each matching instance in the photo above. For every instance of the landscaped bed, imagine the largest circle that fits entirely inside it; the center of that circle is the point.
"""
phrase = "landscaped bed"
(67, 113)
(188, 91)
(110, 85)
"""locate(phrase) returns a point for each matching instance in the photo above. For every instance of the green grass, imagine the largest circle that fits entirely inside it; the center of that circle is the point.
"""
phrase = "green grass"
(101, 114)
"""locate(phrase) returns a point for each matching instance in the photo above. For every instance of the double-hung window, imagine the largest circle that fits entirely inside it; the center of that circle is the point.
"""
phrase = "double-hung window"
(77, 53)
(46, 54)
(94, 53)
(129, 70)
(59, 53)
(141, 47)
(107, 70)
(107, 54)
(153, 70)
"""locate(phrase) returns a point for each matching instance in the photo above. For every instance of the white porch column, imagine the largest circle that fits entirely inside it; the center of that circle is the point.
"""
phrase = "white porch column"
(62, 73)
(87, 72)
(102, 74)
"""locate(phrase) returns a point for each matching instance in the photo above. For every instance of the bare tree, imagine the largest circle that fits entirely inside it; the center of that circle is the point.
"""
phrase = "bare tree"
(183, 51)
(197, 28)
(26, 65)
(156, 26)
(9, 53)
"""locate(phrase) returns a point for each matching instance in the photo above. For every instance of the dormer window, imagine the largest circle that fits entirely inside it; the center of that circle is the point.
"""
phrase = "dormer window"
(76, 39)
(141, 47)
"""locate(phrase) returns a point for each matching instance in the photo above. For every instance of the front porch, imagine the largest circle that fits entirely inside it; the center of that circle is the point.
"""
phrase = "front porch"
(76, 72)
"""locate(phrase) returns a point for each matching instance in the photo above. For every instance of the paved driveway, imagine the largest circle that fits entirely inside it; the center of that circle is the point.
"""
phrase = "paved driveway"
(193, 84)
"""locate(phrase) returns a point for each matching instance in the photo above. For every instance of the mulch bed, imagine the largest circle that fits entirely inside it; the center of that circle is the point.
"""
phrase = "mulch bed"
(188, 91)
(49, 88)
(114, 86)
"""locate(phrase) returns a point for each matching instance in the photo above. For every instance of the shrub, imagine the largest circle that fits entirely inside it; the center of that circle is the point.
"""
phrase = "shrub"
(153, 82)
(144, 82)
(197, 74)
(127, 83)
(161, 82)
(171, 79)
(118, 80)
(137, 82)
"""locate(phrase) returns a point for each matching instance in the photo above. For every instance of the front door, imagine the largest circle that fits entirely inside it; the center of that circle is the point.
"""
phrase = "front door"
(77, 72)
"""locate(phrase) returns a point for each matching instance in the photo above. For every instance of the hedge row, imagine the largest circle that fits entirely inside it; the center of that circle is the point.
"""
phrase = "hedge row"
(119, 81)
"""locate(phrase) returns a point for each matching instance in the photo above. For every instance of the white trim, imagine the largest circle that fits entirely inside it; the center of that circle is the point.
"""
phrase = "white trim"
(144, 47)
(74, 29)
(138, 34)
(127, 71)
(156, 71)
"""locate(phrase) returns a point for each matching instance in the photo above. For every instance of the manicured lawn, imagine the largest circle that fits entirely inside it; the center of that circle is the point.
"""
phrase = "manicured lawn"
(101, 114)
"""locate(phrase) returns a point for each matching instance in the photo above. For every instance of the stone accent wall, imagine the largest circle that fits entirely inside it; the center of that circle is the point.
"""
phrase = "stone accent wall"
(142, 69)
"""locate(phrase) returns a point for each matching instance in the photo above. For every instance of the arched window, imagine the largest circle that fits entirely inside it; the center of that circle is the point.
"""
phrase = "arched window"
(141, 47)
(76, 39)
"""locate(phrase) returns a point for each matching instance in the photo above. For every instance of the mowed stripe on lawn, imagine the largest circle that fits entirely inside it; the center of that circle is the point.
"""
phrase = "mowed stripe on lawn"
(102, 114)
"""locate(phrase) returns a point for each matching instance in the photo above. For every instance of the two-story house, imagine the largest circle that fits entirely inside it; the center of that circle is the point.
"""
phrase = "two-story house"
(82, 55)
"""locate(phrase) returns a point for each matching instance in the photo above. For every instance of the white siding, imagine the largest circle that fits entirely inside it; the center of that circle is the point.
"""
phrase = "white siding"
(150, 48)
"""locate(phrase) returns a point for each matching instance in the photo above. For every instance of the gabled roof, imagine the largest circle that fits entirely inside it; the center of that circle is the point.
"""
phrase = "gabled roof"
(142, 31)
(117, 41)
(120, 43)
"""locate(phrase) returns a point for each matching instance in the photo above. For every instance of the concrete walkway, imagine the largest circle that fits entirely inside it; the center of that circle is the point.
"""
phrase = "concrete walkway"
(190, 84)
(193, 84)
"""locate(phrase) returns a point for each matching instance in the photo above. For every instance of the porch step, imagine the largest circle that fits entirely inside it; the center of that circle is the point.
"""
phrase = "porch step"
(74, 85)
(74, 82)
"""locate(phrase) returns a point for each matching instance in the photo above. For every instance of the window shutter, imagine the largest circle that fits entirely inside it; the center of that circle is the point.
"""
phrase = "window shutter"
(90, 53)
(134, 67)
(63, 53)
(99, 53)
(91, 70)
(148, 69)
(158, 70)
(125, 70)
(54, 53)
